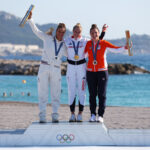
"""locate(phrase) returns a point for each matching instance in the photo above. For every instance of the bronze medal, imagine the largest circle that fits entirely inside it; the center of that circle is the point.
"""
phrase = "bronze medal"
(95, 52)
(95, 62)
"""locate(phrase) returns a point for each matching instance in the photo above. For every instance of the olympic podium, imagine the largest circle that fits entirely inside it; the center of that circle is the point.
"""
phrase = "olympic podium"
(65, 134)
(75, 134)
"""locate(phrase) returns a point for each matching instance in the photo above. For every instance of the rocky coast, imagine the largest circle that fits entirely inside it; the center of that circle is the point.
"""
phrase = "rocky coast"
(28, 67)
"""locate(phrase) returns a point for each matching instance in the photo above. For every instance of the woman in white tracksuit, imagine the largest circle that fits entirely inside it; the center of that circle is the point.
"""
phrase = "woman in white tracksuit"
(76, 71)
(50, 71)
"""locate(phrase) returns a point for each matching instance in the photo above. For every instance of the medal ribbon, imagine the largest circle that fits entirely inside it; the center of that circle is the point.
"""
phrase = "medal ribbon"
(95, 52)
(76, 48)
(57, 50)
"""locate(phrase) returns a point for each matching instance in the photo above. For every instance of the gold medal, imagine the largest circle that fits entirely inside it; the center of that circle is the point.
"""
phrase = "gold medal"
(76, 57)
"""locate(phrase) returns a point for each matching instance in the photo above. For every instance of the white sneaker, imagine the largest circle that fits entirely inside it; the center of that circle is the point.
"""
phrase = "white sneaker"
(55, 118)
(93, 118)
(72, 118)
(79, 118)
(100, 119)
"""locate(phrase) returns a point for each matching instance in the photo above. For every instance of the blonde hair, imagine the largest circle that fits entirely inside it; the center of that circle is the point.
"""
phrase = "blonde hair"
(78, 25)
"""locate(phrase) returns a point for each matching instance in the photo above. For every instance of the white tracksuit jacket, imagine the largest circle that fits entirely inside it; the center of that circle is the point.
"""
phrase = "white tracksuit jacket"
(49, 74)
(76, 74)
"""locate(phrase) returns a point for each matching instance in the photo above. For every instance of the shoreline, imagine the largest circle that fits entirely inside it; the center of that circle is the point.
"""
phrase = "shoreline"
(19, 115)
(62, 105)
(30, 67)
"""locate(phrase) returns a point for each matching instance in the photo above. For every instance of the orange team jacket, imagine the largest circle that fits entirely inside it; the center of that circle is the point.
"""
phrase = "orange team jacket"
(101, 55)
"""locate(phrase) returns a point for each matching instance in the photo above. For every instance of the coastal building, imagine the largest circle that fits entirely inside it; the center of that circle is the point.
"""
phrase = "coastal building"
(8, 48)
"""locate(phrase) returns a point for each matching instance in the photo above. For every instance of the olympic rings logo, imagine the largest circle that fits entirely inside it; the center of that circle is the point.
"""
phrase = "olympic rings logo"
(65, 138)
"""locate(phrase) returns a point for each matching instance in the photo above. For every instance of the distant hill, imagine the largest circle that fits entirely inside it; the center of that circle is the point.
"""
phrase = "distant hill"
(10, 32)
(141, 43)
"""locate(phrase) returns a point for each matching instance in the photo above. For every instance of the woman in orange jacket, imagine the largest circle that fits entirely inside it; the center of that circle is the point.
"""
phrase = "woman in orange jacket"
(97, 71)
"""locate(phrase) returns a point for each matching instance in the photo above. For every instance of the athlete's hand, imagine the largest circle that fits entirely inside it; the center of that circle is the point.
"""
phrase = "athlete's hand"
(104, 28)
(30, 15)
(128, 45)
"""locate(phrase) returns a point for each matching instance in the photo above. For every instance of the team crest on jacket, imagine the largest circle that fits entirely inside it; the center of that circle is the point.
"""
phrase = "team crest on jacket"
(99, 47)
(70, 44)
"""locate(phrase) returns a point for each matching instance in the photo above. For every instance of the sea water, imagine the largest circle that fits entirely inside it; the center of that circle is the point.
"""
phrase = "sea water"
(123, 90)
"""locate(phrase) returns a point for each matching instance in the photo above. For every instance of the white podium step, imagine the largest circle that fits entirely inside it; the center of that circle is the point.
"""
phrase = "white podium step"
(65, 133)
(75, 134)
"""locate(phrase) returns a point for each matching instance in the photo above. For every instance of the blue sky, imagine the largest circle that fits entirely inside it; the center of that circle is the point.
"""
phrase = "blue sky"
(118, 14)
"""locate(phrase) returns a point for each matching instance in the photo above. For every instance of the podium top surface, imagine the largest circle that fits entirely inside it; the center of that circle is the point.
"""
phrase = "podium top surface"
(68, 123)
(67, 126)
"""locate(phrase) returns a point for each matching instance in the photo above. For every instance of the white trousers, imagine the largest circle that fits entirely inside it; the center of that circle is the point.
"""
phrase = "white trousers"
(76, 79)
(49, 76)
